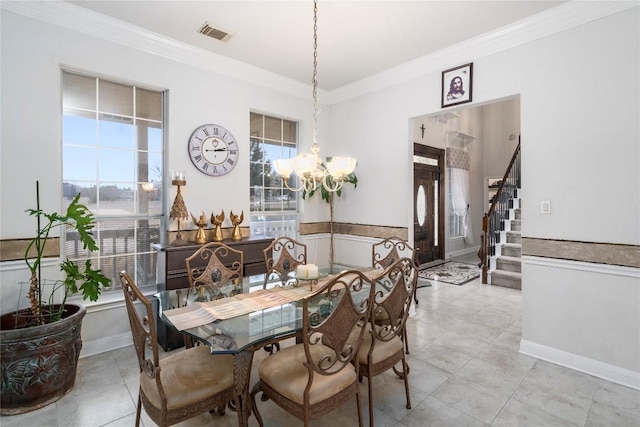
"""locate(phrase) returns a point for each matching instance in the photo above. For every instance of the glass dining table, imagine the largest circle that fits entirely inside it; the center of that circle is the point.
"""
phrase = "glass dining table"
(243, 334)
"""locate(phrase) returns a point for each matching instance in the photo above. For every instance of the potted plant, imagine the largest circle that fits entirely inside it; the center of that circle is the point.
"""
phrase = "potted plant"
(327, 196)
(40, 345)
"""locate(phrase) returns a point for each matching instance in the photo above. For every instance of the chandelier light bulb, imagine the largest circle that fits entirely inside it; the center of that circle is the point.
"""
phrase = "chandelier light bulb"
(283, 167)
(304, 164)
(339, 167)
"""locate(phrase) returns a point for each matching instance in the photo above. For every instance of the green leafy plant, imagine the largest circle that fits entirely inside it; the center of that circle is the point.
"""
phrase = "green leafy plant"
(87, 280)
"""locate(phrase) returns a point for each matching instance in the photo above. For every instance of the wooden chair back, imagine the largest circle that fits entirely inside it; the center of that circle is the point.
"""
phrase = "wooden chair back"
(143, 327)
(335, 317)
(213, 266)
(395, 289)
(390, 250)
(283, 256)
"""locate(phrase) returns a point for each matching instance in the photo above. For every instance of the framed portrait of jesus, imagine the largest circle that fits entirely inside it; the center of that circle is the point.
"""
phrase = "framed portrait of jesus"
(457, 85)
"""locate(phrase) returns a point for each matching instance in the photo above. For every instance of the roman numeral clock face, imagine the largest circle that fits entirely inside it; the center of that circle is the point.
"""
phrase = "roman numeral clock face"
(213, 150)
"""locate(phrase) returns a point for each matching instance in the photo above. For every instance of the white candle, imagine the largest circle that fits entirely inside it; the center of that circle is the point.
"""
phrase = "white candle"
(312, 271)
(302, 271)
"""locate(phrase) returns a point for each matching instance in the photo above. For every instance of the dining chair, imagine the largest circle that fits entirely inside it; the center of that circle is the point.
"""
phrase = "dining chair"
(212, 267)
(282, 257)
(383, 346)
(215, 265)
(313, 378)
(179, 386)
(386, 252)
(389, 250)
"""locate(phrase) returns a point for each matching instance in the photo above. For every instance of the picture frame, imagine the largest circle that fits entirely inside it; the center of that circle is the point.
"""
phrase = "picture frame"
(457, 85)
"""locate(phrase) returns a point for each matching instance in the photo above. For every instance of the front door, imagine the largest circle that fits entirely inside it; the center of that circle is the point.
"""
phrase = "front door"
(428, 212)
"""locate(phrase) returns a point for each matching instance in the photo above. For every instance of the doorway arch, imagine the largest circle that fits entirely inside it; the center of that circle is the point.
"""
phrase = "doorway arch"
(492, 123)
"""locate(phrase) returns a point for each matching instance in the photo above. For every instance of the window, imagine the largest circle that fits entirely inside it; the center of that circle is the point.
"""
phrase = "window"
(273, 207)
(455, 221)
(112, 144)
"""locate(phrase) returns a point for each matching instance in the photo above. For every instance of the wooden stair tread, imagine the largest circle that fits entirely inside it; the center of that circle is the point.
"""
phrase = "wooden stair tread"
(512, 245)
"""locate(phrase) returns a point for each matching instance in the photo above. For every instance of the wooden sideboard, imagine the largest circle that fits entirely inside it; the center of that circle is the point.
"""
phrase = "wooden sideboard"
(172, 274)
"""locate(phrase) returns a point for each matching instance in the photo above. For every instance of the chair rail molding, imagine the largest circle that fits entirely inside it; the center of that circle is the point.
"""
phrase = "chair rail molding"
(591, 267)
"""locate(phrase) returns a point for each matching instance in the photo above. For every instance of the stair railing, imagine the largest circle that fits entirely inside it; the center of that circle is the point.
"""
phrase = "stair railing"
(493, 220)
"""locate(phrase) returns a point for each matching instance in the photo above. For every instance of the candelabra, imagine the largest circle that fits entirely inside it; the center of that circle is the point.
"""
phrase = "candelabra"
(178, 209)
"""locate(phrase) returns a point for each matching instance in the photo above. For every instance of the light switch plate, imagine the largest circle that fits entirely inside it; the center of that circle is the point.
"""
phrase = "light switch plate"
(545, 207)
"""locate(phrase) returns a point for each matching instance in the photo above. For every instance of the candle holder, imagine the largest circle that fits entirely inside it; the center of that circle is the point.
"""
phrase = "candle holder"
(179, 210)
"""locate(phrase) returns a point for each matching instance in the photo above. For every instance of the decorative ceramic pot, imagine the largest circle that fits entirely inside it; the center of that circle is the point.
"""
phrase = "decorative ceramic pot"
(38, 363)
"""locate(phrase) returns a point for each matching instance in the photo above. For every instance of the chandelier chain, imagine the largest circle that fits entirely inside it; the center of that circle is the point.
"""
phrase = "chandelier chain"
(309, 167)
(314, 79)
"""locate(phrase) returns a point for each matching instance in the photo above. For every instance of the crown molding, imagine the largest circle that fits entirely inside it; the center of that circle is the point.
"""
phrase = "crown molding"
(94, 24)
(554, 20)
(560, 18)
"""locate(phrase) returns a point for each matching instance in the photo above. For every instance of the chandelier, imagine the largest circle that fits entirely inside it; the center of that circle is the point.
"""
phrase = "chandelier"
(308, 166)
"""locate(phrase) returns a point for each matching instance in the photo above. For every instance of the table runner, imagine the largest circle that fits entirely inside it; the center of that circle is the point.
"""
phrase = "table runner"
(203, 313)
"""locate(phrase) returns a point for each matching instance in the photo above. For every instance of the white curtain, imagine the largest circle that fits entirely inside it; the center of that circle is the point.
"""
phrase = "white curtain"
(461, 201)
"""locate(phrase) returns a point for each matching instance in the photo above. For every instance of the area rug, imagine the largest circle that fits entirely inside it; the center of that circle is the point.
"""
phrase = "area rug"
(455, 273)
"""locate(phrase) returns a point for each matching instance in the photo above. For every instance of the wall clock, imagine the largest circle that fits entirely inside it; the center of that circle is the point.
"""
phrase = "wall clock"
(213, 150)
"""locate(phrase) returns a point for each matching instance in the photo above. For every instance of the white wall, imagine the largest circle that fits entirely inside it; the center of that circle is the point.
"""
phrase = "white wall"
(33, 54)
(584, 316)
(499, 122)
(579, 123)
(579, 105)
(579, 109)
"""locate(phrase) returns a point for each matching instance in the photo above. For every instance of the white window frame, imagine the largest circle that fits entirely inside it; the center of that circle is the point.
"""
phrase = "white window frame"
(124, 236)
(274, 208)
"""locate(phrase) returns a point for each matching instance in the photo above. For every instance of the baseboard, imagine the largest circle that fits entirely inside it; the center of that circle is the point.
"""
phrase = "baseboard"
(431, 264)
(461, 252)
(91, 348)
(579, 363)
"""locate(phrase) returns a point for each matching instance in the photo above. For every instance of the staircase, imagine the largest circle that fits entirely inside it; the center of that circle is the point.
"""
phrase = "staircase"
(501, 244)
(505, 266)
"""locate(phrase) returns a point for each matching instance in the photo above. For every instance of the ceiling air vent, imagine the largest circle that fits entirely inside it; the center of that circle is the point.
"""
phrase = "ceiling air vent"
(215, 33)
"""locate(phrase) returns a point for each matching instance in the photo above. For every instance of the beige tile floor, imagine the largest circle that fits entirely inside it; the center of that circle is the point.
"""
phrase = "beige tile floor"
(465, 371)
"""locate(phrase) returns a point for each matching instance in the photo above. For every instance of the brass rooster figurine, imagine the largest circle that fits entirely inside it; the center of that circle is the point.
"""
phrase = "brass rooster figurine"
(216, 221)
(236, 220)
